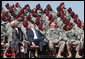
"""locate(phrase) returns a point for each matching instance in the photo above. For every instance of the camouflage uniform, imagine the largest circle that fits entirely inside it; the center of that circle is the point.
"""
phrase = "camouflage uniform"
(55, 34)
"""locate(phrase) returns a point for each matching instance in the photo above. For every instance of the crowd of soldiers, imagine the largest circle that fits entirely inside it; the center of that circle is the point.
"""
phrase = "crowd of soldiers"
(63, 27)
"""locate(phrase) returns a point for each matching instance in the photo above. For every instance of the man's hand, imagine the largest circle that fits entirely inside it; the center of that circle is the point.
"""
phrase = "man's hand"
(23, 44)
(45, 40)
(33, 44)
(70, 42)
(2, 44)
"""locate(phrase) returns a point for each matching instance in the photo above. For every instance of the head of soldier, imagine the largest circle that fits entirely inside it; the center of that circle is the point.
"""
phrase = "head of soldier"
(52, 25)
(14, 24)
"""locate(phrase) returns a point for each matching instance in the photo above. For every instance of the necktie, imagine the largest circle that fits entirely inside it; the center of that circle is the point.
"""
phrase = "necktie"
(36, 33)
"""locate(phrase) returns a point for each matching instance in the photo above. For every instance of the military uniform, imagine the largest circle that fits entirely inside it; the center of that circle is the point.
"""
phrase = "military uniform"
(53, 35)
(73, 36)
(45, 21)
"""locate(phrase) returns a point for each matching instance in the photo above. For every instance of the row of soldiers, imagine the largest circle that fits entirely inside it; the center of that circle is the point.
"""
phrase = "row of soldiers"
(63, 27)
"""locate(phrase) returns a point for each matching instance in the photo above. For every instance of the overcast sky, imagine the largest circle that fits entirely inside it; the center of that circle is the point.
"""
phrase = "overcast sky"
(77, 6)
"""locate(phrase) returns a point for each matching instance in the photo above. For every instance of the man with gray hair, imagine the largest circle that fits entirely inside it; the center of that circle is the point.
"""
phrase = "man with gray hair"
(18, 38)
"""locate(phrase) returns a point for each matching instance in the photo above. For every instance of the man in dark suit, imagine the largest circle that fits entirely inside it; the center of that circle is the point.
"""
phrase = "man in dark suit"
(18, 39)
(36, 37)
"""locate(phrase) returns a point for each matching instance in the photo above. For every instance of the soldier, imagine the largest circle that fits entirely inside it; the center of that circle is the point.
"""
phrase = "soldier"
(8, 34)
(18, 7)
(53, 35)
(74, 39)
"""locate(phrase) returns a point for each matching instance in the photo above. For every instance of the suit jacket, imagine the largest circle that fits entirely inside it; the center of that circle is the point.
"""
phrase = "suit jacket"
(30, 35)
(17, 36)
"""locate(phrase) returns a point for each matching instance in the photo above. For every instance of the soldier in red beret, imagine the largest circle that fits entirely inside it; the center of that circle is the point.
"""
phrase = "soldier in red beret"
(50, 16)
(79, 23)
(6, 14)
(69, 10)
(28, 17)
(9, 19)
(38, 20)
(75, 16)
(7, 6)
(3, 18)
(49, 7)
(72, 14)
(18, 7)
(58, 8)
(34, 10)
(47, 12)
(62, 5)
(38, 6)
(58, 14)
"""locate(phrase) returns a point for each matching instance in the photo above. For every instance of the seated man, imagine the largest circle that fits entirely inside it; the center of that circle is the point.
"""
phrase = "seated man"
(53, 35)
(35, 37)
(74, 40)
(18, 39)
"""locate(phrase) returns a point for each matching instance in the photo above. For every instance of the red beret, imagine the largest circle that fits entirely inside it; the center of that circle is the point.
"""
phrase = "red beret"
(62, 4)
(62, 16)
(25, 23)
(11, 10)
(38, 15)
(47, 12)
(66, 21)
(48, 6)
(12, 6)
(22, 18)
(34, 14)
(17, 16)
(69, 10)
(3, 17)
(38, 20)
(7, 5)
(58, 14)
(27, 28)
(27, 5)
(50, 16)
(62, 12)
(9, 19)
(79, 23)
(67, 27)
(28, 17)
(20, 13)
(58, 8)
(51, 20)
(72, 14)
(75, 20)
(6, 14)
(33, 10)
(17, 4)
(38, 6)
(75, 16)
(40, 26)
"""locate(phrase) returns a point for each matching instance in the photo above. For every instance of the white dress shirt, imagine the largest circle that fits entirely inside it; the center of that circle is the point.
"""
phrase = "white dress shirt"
(35, 35)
